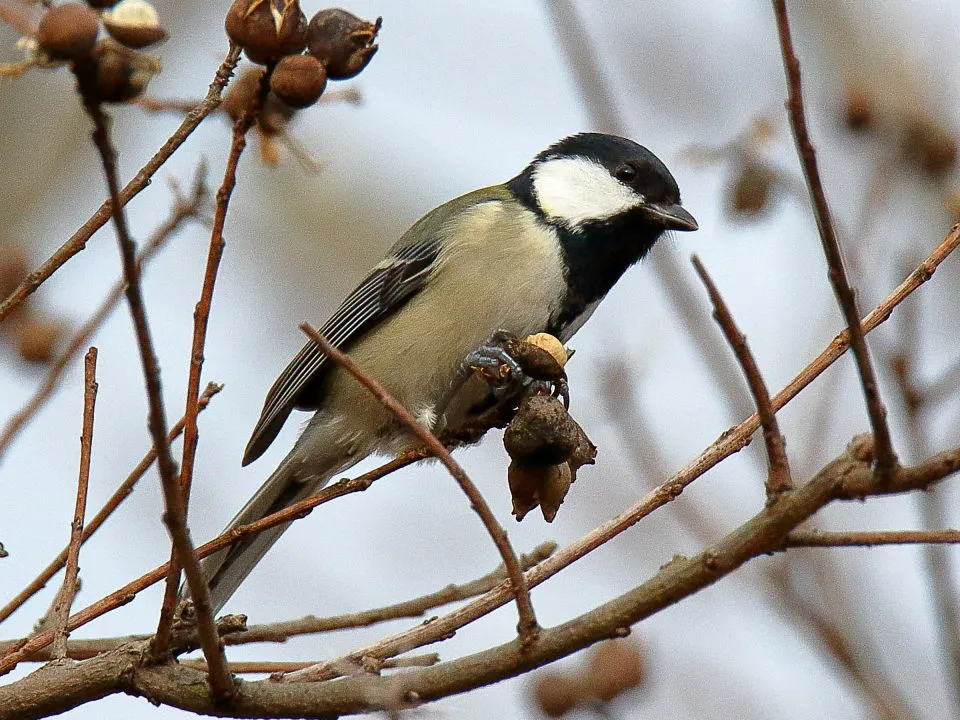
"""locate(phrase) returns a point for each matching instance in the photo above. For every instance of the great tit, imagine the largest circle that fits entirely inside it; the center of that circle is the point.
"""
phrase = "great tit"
(535, 254)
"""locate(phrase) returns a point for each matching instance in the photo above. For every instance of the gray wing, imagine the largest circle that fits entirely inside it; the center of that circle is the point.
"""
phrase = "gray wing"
(382, 292)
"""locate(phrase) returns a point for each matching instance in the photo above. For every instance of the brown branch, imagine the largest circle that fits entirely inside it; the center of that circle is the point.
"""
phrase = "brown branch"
(20, 650)
(527, 627)
(69, 589)
(183, 208)
(119, 495)
(174, 517)
(42, 692)
(886, 458)
(257, 666)
(729, 443)
(140, 181)
(201, 317)
(778, 467)
(17, 20)
(820, 538)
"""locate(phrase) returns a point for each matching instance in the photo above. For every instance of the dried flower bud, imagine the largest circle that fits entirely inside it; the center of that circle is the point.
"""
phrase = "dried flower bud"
(556, 483)
(749, 193)
(13, 268)
(556, 694)
(546, 341)
(342, 42)
(68, 31)
(36, 339)
(857, 108)
(298, 80)
(614, 666)
(541, 433)
(267, 30)
(134, 23)
(930, 145)
(585, 453)
(122, 74)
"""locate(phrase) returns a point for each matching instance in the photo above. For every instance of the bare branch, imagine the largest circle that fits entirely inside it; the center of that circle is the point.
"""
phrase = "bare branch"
(69, 589)
(140, 181)
(778, 467)
(886, 457)
(528, 622)
(820, 538)
(183, 208)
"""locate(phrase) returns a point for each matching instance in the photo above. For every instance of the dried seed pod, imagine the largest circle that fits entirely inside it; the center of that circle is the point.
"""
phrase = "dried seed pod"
(584, 454)
(122, 74)
(749, 194)
(541, 433)
(553, 489)
(299, 80)
(556, 694)
(267, 30)
(930, 145)
(134, 23)
(342, 42)
(614, 666)
(37, 339)
(524, 482)
(68, 31)
(101, 4)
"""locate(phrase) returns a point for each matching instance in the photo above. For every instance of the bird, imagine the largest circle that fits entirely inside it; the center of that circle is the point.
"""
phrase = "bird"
(535, 254)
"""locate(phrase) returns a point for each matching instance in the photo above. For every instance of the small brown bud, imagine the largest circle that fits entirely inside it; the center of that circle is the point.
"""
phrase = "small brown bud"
(298, 80)
(37, 339)
(857, 108)
(267, 30)
(553, 490)
(614, 667)
(342, 42)
(930, 145)
(556, 694)
(13, 268)
(68, 31)
(541, 433)
(134, 23)
(122, 74)
(750, 192)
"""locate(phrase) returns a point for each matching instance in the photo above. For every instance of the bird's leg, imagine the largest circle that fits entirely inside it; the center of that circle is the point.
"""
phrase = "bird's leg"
(515, 368)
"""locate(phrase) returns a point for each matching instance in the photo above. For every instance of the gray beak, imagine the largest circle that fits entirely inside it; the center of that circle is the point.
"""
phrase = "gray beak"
(672, 217)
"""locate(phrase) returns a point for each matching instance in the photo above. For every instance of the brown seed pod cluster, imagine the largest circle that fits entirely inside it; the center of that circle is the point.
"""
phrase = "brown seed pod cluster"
(612, 668)
(546, 448)
(69, 32)
(276, 33)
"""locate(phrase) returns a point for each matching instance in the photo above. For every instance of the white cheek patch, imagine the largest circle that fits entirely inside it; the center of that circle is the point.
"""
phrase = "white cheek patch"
(575, 190)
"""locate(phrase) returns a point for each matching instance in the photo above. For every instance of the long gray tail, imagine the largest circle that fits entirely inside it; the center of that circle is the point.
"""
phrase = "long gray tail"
(228, 568)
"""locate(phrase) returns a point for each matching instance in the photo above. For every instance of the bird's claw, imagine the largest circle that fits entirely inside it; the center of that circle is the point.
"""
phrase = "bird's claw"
(507, 377)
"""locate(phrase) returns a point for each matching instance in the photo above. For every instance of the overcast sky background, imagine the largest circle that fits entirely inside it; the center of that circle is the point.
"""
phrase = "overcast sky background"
(460, 96)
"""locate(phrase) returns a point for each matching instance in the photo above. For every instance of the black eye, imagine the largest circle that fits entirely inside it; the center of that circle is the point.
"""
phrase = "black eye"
(626, 173)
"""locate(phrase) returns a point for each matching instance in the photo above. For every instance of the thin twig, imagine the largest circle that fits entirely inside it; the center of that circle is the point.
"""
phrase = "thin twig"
(140, 181)
(21, 649)
(69, 589)
(256, 666)
(201, 317)
(183, 208)
(778, 467)
(527, 626)
(821, 538)
(221, 682)
(119, 495)
(730, 442)
(886, 456)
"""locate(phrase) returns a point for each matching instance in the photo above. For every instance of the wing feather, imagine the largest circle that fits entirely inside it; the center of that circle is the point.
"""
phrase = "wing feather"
(382, 292)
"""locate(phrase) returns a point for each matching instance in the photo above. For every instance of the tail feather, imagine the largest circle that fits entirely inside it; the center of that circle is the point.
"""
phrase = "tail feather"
(225, 570)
